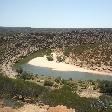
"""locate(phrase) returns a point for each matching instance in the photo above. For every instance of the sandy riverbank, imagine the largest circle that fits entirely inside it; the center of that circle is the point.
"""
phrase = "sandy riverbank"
(43, 62)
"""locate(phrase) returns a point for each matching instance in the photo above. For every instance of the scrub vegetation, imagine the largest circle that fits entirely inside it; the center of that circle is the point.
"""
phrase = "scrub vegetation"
(90, 48)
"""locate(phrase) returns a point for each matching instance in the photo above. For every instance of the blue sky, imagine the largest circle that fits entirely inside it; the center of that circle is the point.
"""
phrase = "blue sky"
(56, 13)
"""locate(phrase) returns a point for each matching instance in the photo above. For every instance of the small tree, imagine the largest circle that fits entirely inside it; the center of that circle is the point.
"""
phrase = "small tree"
(58, 80)
(24, 76)
(49, 58)
(48, 83)
(19, 70)
(48, 52)
(66, 52)
(60, 59)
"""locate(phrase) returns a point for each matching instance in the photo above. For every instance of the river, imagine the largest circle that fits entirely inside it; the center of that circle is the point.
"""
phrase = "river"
(64, 74)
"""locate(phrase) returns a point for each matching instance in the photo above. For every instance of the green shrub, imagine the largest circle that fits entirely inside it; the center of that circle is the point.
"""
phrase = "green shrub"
(105, 87)
(25, 76)
(49, 58)
(48, 52)
(66, 52)
(19, 70)
(60, 59)
(65, 96)
(48, 83)
(58, 80)
(19, 87)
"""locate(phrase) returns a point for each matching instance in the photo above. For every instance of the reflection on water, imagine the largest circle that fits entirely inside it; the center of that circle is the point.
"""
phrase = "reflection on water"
(64, 74)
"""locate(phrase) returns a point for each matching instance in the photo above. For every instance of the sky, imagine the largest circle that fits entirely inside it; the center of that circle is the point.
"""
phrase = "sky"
(56, 13)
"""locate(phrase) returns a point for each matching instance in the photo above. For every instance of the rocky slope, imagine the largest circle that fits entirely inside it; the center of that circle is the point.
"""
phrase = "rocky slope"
(88, 48)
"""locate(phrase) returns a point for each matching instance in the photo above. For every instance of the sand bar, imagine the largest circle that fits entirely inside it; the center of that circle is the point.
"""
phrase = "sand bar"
(43, 62)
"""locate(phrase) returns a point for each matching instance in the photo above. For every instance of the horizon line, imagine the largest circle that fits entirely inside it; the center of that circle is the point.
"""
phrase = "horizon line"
(55, 27)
